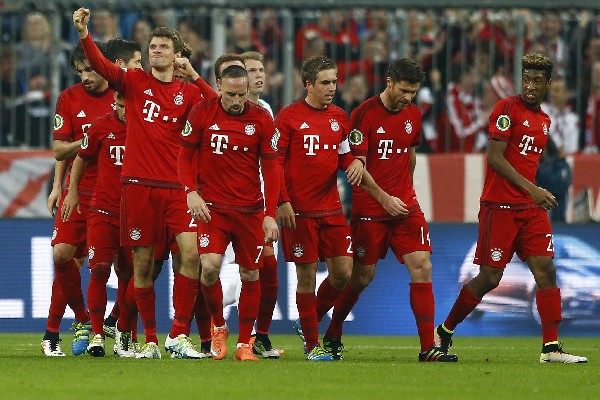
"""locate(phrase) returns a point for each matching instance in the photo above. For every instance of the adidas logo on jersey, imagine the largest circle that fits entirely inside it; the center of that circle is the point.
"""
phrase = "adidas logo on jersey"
(380, 130)
(304, 126)
(526, 123)
(214, 127)
(149, 92)
(110, 136)
(81, 114)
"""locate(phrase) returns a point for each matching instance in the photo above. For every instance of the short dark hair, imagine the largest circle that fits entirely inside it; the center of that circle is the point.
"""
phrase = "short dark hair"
(78, 55)
(227, 57)
(234, 71)
(313, 65)
(407, 70)
(538, 62)
(169, 33)
(122, 49)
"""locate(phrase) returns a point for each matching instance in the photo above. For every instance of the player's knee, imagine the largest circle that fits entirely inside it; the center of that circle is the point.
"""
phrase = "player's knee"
(63, 253)
(100, 272)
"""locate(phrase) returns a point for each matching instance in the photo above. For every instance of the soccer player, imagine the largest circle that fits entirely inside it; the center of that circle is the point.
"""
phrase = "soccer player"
(232, 136)
(254, 64)
(513, 210)
(158, 105)
(385, 130)
(312, 146)
(76, 108)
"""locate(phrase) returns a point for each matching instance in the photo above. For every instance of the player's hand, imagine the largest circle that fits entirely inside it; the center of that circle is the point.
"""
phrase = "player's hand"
(54, 200)
(184, 66)
(70, 203)
(354, 172)
(198, 208)
(543, 198)
(81, 18)
(270, 229)
(393, 205)
(286, 216)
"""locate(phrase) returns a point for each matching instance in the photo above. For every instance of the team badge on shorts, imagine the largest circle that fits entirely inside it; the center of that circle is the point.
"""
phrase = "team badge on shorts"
(54, 233)
(503, 123)
(334, 125)
(355, 137)
(91, 252)
(178, 100)
(58, 122)
(360, 251)
(496, 254)
(135, 234)
(249, 129)
(187, 129)
(203, 240)
(298, 250)
(408, 127)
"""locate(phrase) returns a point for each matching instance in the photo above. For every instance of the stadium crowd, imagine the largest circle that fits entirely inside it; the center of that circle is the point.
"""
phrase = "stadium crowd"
(468, 56)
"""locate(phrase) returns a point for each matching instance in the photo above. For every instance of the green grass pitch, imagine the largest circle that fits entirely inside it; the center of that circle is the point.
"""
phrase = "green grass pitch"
(375, 367)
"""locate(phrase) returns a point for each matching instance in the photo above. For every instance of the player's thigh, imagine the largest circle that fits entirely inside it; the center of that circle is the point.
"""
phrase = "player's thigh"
(335, 239)
(69, 238)
(214, 235)
(409, 235)
(536, 235)
(247, 239)
(102, 238)
(142, 226)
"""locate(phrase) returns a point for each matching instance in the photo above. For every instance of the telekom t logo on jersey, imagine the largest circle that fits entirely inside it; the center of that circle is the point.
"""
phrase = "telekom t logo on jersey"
(117, 153)
(385, 148)
(218, 142)
(151, 109)
(311, 142)
(526, 144)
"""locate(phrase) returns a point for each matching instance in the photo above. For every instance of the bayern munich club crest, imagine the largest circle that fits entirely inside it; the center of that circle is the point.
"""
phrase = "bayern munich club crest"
(360, 251)
(249, 129)
(496, 254)
(298, 250)
(408, 127)
(135, 234)
(334, 125)
(203, 240)
(178, 100)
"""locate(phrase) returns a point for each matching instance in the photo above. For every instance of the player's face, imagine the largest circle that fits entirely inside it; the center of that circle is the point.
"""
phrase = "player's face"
(120, 106)
(535, 85)
(233, 94)
(135, 62)
(401, 93)
(256, 74)
(225, 65)
(321, 93)
(92, 81)
(161, 52)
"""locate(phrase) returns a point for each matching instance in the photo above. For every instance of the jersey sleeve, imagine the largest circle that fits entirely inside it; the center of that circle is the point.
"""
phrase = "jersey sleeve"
(418, 127)
(501, 121)
(63, 126)
(190, 141)
(270, 165)
(358, 138)
(207, 92)
(102, 65)
(283, 132)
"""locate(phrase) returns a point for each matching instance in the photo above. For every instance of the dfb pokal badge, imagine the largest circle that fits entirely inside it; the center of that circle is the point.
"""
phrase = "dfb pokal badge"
(178, 99)
(334, 125)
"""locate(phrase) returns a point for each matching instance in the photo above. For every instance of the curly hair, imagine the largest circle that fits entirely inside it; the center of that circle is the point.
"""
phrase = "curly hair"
(538, 62)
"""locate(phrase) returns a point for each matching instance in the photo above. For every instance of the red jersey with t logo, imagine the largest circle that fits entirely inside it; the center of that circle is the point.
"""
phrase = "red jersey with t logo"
(106, 144)
(76, 109)
(385, 138)
(156, 113)
(310, 144)
(230, 147)
(526, 134)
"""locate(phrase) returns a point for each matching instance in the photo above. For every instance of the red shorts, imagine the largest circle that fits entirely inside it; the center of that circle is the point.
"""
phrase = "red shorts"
(403, 235)
(167, 245)
(503, 232)
(244, 231)
(316, 238)
(147, 211)
(74, 230)
(103, 237)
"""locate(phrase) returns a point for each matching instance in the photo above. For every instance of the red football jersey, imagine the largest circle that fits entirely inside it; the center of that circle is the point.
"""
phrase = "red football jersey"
(156, 113)
(230, 148)
(526, 134)
(385, 138)
(310, 144)
(76, 109)
(106, 145)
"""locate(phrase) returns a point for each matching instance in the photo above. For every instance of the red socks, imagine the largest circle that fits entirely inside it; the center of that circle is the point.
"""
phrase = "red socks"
(96, 295)
(145, 299)
(202, 315)
(213, 295)
(58, 305)
(326, 296)
(69, 278)
(306, 303)
(268, 294)
(463, 306)
(247, 309)
(423, 307)
(343, 305)
(186, 289)
(549, 307)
